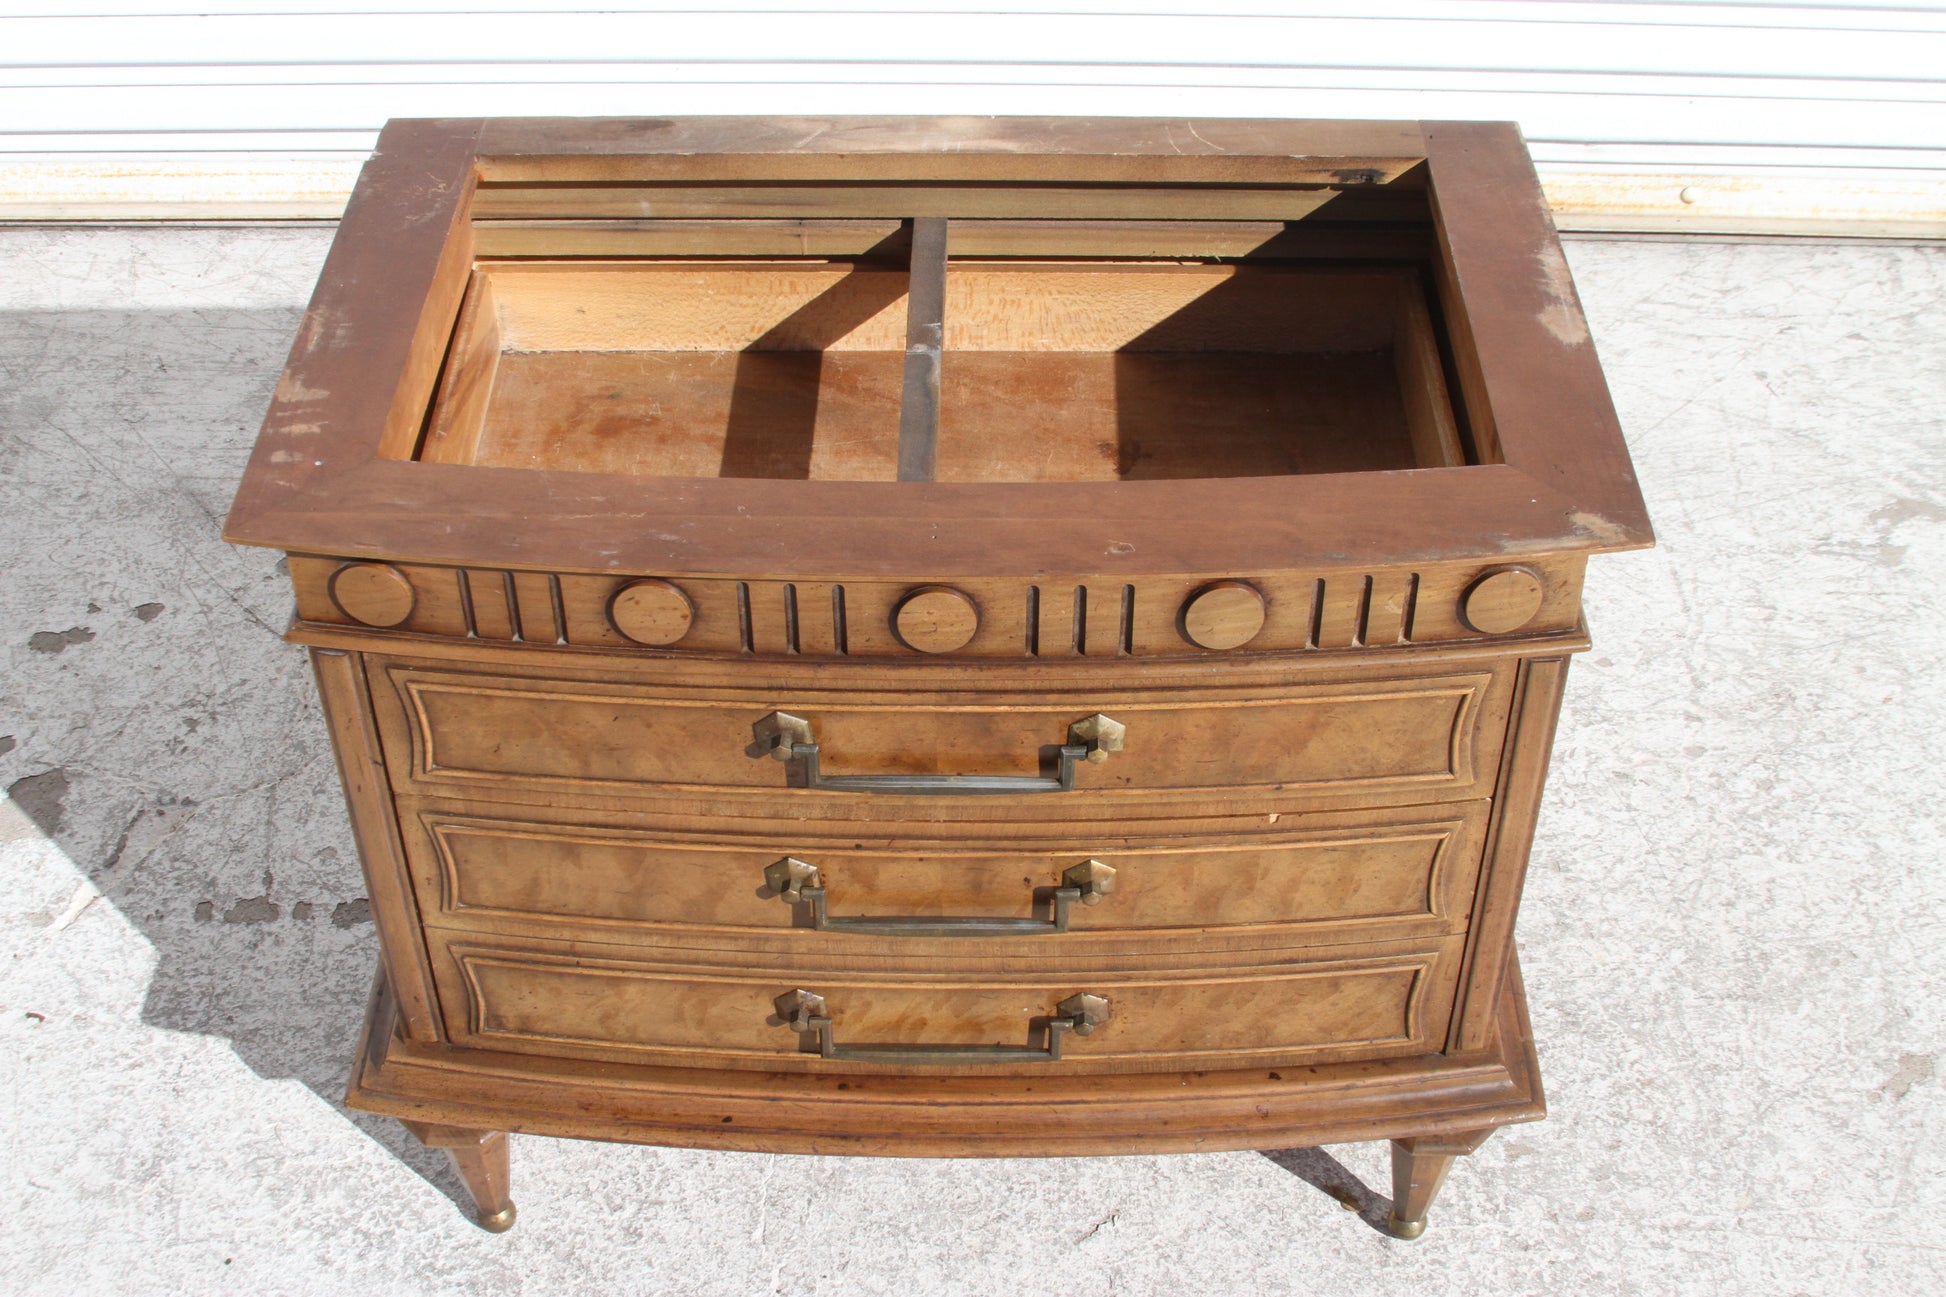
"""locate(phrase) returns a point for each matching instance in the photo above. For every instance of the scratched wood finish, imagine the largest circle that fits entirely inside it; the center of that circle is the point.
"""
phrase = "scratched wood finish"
(1282, 443)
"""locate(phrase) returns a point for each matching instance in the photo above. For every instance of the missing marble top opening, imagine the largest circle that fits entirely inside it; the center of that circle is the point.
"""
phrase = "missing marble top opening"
(1267, 356)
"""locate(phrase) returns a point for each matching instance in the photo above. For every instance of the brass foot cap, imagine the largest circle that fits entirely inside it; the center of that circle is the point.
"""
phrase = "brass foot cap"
(500, 1222)
(1404, 1228)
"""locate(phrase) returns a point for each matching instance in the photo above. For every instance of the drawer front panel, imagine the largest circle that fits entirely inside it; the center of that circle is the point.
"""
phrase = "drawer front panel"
(1326, 877)
(1371, 1003)
(1424, 738)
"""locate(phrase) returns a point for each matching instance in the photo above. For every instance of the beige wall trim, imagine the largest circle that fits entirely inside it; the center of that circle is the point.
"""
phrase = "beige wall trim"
(1894, 204)
(1900, 204)
(176, 188)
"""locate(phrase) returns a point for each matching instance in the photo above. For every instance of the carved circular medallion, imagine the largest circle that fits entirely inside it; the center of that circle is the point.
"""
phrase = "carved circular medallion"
(1503, 600)
(936, 619)
(651, 612)
(1223, 615)
(376, 594)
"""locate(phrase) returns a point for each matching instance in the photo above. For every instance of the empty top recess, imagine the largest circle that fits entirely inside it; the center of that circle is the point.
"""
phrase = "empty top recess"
(859, 347)
(1048, 371)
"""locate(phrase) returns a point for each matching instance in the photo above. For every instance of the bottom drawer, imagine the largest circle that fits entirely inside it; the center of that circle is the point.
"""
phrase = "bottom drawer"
(586, 1001)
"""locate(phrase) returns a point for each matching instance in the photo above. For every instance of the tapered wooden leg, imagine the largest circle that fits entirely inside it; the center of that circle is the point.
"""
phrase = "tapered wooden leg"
(480, 1156)
(1419, 1167)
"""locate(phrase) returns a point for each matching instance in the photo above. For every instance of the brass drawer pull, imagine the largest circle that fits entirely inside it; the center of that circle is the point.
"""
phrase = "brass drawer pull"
(798, 881)
(804, 1012)
(788, 738)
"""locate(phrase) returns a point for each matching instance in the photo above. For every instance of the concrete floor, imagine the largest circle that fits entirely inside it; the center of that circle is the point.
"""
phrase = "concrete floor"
(1732, 937)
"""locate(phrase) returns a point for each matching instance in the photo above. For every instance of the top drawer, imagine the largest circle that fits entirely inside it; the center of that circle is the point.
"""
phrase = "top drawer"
(1352, 740)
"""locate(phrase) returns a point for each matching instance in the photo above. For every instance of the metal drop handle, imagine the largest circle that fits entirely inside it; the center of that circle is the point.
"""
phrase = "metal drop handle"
(789, 739)
(804, 1012)
(799, 882)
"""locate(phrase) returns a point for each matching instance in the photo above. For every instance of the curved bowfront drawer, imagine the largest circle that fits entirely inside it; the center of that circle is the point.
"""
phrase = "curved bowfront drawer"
(1356, 739)
(1322, 877)
(590, 1001)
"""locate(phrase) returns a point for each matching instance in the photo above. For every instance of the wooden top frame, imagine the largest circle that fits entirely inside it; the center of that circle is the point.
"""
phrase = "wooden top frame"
(331, 472)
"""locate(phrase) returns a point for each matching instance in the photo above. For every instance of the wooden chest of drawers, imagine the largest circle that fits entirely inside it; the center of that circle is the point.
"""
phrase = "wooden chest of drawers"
(966, 637)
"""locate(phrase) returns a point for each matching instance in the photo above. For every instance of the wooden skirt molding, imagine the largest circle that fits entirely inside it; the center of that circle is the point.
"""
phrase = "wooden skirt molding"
(1153, 1112)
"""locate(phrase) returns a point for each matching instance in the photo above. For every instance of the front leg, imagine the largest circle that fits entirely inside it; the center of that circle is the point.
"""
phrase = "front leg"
(1419, 1167)
(480, 1157)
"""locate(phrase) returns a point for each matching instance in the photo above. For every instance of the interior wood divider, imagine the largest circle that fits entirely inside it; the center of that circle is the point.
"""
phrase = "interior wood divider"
(925, 334)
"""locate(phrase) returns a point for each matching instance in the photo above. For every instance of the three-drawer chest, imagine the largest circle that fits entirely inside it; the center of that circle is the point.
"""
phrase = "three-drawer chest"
(944, 636)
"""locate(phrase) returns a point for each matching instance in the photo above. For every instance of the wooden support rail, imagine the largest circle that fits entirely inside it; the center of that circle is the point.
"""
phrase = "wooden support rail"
(925, 330)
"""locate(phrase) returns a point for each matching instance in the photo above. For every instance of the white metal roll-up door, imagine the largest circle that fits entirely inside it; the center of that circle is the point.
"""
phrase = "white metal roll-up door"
(1641, 113)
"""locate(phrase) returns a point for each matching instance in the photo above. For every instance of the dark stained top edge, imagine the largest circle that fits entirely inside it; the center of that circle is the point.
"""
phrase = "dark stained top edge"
(1546, 391)
(316, 484)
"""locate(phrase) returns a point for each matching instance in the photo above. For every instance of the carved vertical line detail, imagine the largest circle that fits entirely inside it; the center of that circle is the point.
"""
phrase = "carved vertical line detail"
(1033, 621)
(560, 608)
(743, 616)
(513, 603)
(1362, 623)
(1081, 620)
(1128, 620)
(1411, 607)
(838, 637)
(790, 618)
(536, 607)
(483, 600)
(466, 603)
(1317, 614)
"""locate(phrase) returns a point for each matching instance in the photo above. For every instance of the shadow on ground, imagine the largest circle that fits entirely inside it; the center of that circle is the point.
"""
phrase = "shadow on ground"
(1327, 1174)
(153, 723)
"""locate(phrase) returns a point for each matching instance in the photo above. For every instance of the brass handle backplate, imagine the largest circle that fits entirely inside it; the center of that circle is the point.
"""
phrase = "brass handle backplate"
(804, 1012)
(789, 739)
(799, 882)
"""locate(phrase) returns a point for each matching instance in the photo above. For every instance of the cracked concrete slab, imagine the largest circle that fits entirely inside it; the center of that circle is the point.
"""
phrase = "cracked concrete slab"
(1731, 936)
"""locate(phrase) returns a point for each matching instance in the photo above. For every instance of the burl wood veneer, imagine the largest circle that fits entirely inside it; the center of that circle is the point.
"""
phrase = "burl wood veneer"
(944, 636)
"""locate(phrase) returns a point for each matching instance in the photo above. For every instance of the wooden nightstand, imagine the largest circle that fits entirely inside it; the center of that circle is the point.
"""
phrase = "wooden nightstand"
(948, 636)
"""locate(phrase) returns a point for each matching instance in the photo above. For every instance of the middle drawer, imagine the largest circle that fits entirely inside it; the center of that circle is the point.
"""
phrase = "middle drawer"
(1309, 878)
